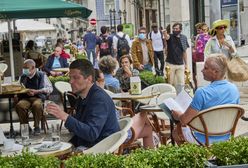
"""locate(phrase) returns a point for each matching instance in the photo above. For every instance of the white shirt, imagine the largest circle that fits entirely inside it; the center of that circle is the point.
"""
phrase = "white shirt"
(121, 34)
(157, 41)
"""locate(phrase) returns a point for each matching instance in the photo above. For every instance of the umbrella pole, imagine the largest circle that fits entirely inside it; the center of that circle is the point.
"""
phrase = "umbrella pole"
(11, 53)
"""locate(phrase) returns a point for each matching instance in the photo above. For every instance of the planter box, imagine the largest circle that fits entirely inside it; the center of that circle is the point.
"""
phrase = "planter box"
(212, 164)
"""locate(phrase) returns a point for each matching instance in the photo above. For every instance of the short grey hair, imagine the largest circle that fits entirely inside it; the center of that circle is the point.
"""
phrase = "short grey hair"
(29, 62)
(218, 61)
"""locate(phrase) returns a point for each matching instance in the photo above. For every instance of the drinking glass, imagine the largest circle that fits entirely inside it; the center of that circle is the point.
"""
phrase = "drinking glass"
(55, 132)
(46, 102)
(25, 134)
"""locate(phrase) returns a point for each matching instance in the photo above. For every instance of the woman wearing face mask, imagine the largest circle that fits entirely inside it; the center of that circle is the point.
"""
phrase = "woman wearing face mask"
(142, 52)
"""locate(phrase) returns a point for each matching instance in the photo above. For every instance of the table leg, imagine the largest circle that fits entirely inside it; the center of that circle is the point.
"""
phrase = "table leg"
(172, 128)
(11, 132)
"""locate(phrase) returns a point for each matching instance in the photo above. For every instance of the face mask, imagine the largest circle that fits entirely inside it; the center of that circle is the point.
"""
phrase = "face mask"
(175, 33)
(142, 36)
(25, 71)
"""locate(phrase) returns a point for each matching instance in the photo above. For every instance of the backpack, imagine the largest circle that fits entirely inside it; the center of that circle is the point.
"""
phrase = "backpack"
(122, 46)
(105, 46)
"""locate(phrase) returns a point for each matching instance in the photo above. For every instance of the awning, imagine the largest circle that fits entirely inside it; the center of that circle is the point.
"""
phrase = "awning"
(31, 9)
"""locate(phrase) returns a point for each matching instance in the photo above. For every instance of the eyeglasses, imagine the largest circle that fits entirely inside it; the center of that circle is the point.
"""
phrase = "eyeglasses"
(142, 32)
(221, 27)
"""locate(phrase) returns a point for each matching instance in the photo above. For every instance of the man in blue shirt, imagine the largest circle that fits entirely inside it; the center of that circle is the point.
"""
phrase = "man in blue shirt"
(95, 117)
(218, 92)
(90, 44)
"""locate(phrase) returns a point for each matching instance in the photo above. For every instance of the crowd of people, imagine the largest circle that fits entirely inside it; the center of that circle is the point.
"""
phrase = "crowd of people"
(95, 116)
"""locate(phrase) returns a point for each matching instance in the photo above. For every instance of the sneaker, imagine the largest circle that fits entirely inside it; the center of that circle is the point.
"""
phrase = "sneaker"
(37, 130)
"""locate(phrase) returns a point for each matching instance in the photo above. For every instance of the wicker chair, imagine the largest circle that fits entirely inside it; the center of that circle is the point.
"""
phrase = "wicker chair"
(215, 121)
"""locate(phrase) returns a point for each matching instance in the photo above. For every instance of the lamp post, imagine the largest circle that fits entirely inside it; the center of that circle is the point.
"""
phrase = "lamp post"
(113, 11)
(110, 18)
(124, 16)
(119, 13)
(112, 15)
(124, 13)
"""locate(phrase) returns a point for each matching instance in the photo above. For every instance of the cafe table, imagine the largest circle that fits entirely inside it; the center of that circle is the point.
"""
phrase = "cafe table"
(64, 70)
(11, 95)
(156, 108)
(126, 96)
(63, 149)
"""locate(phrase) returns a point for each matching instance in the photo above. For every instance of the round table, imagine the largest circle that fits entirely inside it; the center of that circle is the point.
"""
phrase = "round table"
(66, 148)
(156, 108)
(65, 70)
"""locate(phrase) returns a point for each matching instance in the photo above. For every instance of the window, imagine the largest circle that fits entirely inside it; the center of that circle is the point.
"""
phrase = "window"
(109, 4)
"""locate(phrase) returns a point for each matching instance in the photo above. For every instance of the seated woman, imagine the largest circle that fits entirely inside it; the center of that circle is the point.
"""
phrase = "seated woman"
(31, 53)
(141, 125)
(107, 65)
(55, 61)
(125, 71)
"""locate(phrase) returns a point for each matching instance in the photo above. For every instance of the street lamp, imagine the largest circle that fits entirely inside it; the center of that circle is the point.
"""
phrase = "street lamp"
(124, 16)
(112, 14)
(124, 13)
(119, 13)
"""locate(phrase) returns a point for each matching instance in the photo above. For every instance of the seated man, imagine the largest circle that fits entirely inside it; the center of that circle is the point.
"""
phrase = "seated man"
(34, 81)
(218, 92)
(95, 111)
(55, 61)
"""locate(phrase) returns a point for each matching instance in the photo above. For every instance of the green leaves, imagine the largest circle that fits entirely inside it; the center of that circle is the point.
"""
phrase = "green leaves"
(150, 79)
(231, 152)
(166, 156)
(59, 78)
(29, 160)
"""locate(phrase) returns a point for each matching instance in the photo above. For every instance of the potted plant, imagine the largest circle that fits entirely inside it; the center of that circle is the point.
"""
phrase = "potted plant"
(232, 153)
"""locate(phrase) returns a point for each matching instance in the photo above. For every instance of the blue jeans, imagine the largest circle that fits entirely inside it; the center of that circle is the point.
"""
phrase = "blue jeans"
(148, 67)
(89, 52)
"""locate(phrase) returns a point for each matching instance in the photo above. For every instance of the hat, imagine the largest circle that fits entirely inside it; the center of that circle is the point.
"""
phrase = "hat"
(224, 22)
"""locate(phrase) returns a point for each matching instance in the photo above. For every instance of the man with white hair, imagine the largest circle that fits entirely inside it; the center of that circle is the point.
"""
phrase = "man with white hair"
(218, 92)
(33, 80)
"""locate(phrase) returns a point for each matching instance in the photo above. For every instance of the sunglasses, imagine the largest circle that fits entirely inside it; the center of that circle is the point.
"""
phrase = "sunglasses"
(221, 27)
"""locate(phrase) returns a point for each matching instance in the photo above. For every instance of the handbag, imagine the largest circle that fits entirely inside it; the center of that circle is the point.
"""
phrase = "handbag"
(237, 69)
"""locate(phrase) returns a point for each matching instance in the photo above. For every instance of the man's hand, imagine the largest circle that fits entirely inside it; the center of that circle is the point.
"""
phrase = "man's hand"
(141, 67)
(55, 110)
(53, 73)
(166, 35)
(32, 92)
(176, 115)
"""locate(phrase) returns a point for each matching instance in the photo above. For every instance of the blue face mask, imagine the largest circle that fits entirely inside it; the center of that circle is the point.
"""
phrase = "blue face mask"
(142, 36)
(25, 71)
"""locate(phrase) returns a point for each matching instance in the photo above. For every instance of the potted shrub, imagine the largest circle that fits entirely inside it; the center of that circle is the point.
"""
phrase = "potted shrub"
(232, 153)
(29, 160)
(148, 78)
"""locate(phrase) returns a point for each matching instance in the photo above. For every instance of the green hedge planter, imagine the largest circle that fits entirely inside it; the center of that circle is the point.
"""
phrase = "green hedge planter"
(188, 156)
(29, 160)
